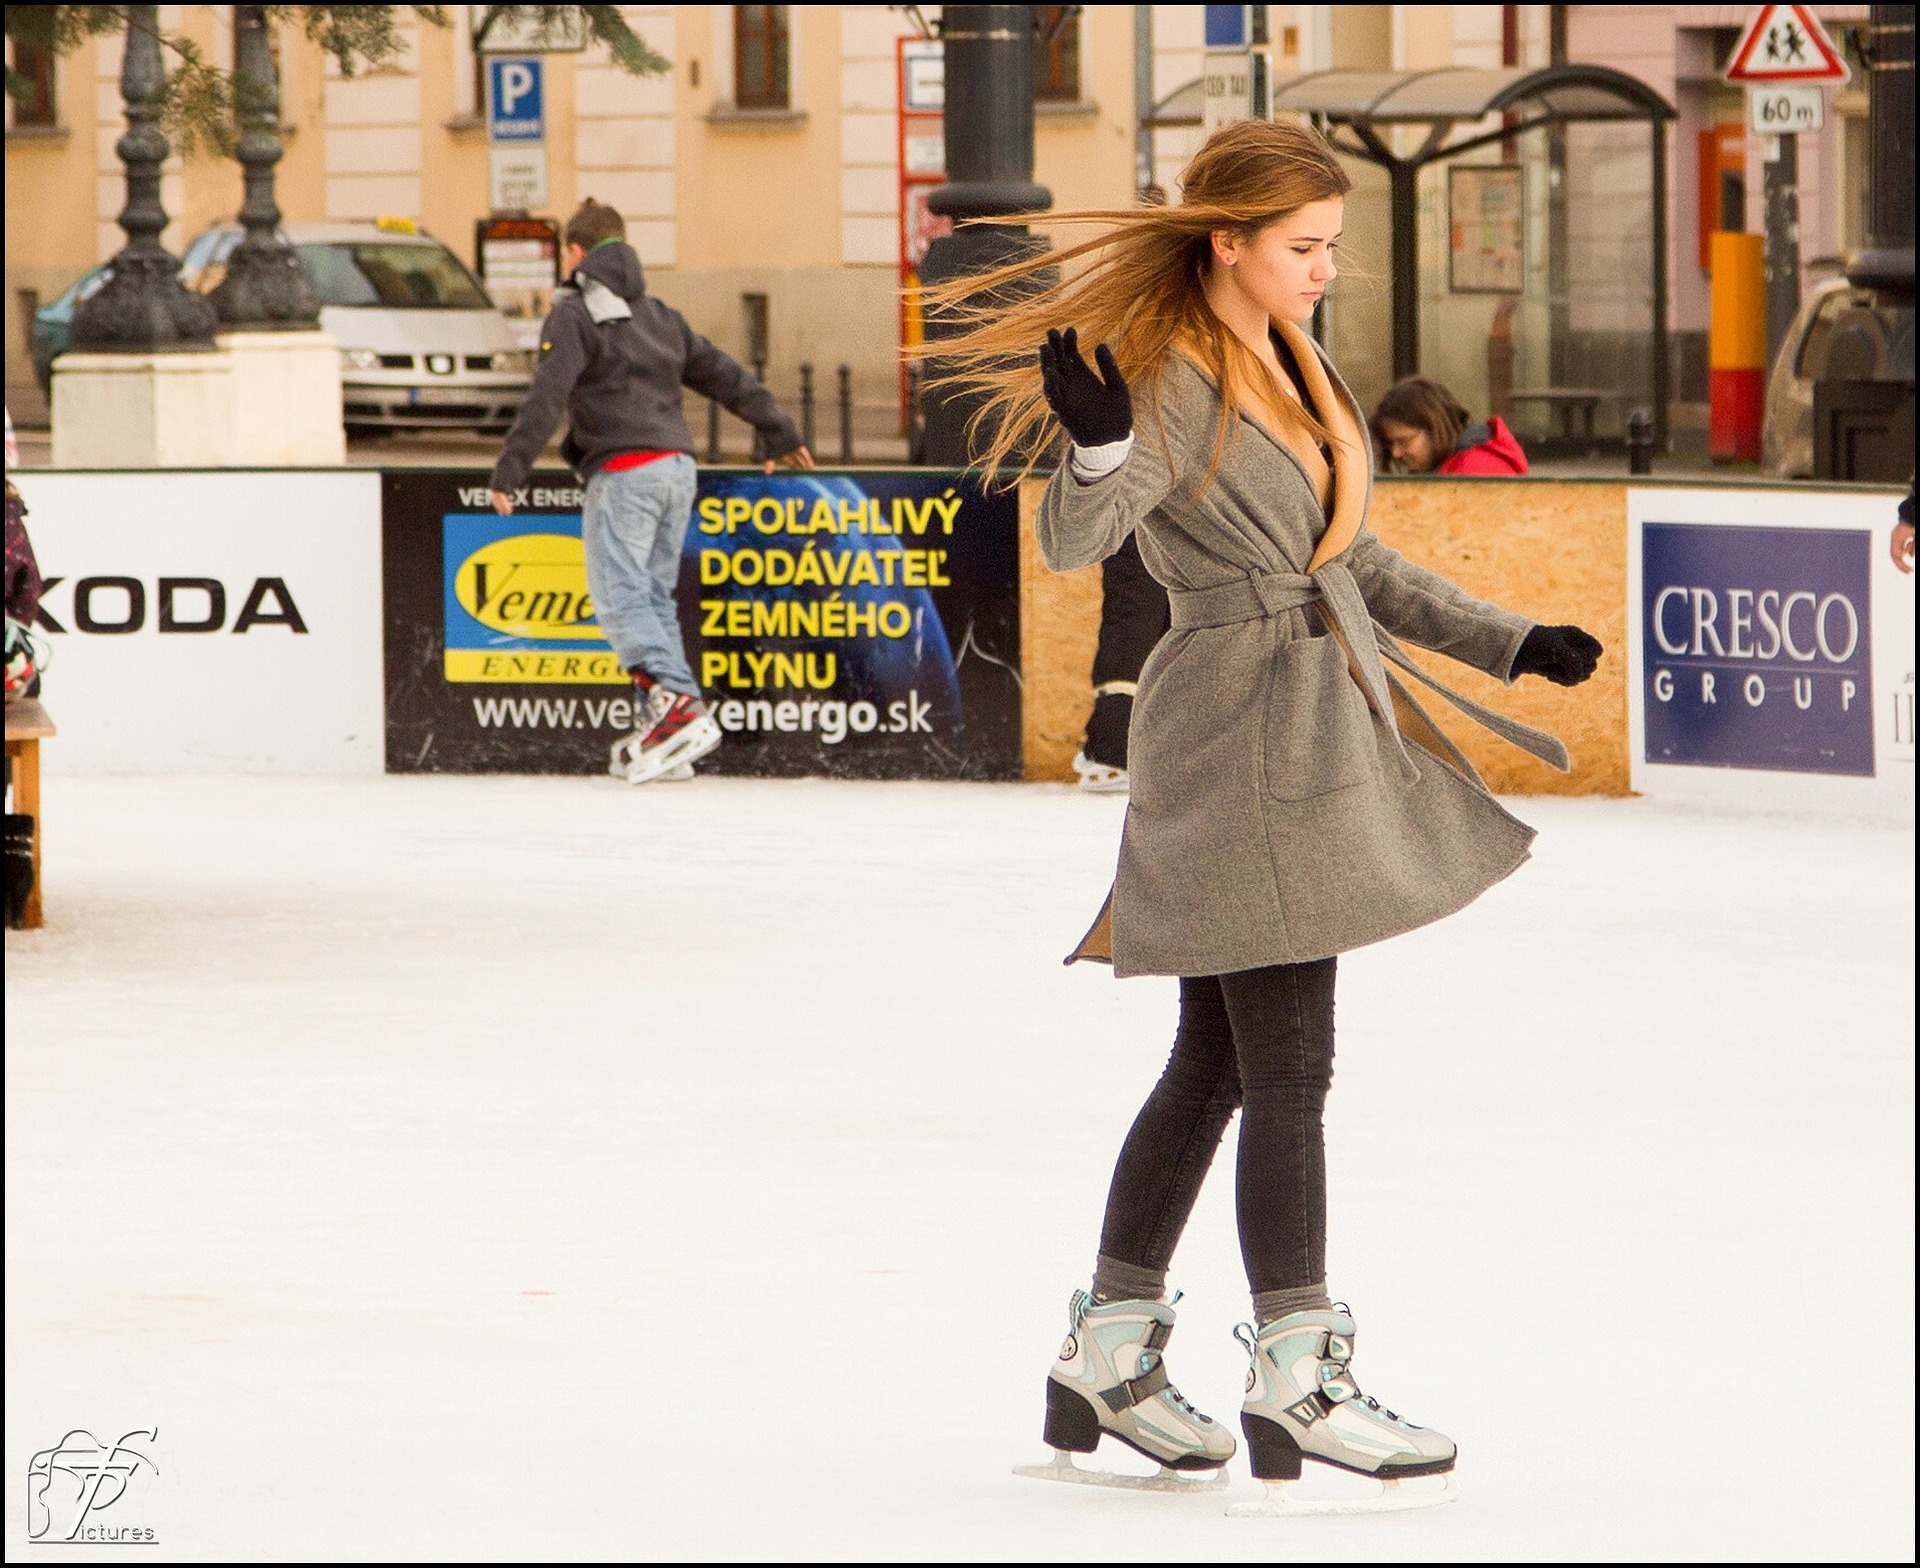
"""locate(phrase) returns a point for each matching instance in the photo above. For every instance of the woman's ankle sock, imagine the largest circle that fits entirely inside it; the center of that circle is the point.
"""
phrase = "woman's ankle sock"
(1270, 1305)
(1117, 1281)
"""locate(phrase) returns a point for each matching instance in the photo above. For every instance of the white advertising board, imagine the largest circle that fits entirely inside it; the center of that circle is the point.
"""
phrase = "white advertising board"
(1770, 644)
(210, 622)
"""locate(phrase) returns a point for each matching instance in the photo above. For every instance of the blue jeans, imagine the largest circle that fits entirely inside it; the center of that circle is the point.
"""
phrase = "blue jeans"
(634, 525)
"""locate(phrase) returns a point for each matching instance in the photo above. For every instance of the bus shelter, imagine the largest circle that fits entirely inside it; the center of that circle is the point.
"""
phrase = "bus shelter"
(1406, 121)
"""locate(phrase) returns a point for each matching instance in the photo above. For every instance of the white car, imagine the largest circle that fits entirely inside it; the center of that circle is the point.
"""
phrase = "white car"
(1841, 333)
(421, 345)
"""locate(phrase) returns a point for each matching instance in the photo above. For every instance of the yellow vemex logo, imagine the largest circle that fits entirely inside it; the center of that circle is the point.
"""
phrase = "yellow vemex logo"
(530, 585)
(529, 593)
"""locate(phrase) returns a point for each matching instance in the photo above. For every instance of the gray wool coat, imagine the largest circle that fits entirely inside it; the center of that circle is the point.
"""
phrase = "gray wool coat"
(1289, 798)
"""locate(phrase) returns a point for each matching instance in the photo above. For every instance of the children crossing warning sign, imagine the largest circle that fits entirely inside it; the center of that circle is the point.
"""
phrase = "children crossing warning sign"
(1786, 43)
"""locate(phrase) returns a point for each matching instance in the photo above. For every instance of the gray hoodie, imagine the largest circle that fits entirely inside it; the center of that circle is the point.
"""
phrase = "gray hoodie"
(612, 362)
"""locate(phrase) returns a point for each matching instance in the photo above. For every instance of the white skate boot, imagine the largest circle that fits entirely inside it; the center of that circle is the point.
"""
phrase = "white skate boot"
(1302, 1403)
(1099, 778)
(671, 732)
(1111, 1380)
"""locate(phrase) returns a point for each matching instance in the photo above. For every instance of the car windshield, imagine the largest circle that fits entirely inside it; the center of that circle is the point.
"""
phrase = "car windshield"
(375, 272)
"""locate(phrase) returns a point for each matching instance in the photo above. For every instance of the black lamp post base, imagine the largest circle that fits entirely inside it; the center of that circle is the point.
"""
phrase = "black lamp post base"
(265, 291)
(144, 309)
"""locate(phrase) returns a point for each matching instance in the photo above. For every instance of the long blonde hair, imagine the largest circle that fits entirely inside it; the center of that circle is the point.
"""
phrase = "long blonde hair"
(1141, 291)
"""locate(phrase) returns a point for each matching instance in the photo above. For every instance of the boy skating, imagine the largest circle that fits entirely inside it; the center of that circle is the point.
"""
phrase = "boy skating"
(612, 362)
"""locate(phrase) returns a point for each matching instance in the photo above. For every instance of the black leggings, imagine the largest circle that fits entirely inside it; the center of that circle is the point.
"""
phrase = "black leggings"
(1133, 617)
(1262, 1038)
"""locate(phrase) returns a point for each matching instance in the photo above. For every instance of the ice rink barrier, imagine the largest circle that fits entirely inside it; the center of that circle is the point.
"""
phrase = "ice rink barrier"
(1569, 550)
(898, 623)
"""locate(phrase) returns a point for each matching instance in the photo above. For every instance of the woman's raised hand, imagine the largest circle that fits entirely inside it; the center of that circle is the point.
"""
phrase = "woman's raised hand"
(1095, 407)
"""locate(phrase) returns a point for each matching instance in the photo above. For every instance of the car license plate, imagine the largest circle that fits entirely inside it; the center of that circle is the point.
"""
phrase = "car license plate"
(426, 396)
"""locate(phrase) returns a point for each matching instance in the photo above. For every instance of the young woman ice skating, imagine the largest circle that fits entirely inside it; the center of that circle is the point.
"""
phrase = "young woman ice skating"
(1290, 799)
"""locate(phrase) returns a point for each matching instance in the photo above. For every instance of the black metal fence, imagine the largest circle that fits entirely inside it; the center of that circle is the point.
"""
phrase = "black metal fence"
(864, 432)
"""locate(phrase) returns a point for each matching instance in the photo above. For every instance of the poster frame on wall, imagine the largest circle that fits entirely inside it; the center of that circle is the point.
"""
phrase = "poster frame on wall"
(1468, 265)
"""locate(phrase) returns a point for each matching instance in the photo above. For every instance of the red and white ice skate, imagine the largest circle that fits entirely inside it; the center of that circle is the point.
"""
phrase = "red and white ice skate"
(679, 734)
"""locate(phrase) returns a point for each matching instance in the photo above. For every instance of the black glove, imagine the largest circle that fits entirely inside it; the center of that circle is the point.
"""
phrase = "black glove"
(1564, 654)
(1096, 409)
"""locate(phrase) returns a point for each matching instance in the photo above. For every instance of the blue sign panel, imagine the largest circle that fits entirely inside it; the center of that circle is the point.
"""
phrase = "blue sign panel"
(516, 108)
(1757, 647)
(1226, 26)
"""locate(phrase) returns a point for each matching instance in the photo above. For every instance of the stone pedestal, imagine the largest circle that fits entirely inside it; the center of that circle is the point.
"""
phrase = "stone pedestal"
(143, 410)
(286, 400)
(261, 400)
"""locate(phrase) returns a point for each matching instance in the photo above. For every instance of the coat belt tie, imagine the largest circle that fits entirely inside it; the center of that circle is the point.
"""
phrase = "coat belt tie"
(1261, 595)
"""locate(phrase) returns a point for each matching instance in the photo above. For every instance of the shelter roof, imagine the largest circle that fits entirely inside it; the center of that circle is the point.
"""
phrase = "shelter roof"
(1456, 93)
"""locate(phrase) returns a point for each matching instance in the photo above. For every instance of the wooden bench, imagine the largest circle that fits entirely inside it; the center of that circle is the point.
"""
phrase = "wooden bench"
(1565, 402)
(28, 725)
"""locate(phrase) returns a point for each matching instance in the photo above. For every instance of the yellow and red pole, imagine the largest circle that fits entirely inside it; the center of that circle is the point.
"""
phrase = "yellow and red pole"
(1737, 347)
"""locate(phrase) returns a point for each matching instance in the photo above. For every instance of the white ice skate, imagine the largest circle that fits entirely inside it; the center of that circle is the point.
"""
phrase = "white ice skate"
(1099, 778)
(1111, 1380)
(1302, 1403)
(620, 758)
(671, 733)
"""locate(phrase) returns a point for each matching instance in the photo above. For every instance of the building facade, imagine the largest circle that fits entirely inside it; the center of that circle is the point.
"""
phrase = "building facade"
(761, 176)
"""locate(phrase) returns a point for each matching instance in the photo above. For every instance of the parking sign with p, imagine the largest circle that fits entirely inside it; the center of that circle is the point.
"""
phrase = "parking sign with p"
(516, 110)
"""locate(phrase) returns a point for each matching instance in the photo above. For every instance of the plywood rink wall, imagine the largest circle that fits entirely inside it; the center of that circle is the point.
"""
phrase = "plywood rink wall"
(1554, 550)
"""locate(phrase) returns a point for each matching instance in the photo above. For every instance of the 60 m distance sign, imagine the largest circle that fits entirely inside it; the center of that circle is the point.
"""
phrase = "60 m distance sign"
(1785, 111)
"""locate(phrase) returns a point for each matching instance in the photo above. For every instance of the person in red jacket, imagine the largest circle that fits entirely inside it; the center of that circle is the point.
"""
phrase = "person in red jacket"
(1422, 429)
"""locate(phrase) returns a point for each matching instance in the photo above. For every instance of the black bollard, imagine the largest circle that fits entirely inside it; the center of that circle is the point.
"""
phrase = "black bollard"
(846, 413)
(1640, 442)
(916, 432)
(759, 442)
(806, 406)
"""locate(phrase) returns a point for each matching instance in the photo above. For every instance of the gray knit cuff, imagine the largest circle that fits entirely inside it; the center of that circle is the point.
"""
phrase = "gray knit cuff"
(1117, 1281)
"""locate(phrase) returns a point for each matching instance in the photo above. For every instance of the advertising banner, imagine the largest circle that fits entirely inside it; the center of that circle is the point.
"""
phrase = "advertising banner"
(859, 625)
(209, 622)
(1772, 646)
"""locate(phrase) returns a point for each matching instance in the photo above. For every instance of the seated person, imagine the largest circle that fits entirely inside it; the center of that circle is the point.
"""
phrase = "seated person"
(1422, 429)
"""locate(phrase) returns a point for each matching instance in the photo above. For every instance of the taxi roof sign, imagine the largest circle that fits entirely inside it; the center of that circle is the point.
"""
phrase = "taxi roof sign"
(393, 225)
(1786, 43)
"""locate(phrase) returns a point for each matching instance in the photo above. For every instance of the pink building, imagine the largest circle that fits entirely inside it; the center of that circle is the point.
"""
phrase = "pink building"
(1715, 171)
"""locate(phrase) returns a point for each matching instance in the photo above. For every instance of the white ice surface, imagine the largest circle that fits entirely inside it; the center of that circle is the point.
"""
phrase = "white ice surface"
(540, 1168)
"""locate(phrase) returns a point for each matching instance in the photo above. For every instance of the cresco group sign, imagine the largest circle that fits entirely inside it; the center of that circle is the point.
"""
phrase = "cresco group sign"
(1771, 634)
(1759, 647)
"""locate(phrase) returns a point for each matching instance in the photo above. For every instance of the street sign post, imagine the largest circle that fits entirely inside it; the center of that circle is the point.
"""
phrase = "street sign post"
(516, 134)
(1784, 44)
(516, 101)
(1783, 59)
(1237, 69)
(516, 177)
(1784, 111)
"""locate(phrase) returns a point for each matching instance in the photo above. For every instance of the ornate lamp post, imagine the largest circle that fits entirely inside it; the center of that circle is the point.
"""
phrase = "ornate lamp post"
(143, 308)
(989, 144)
(265, 288)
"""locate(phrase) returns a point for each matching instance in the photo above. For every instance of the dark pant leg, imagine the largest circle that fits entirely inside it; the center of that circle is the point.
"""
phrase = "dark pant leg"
(1133, 617)
(1282, 1019)
(1166, 1155)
